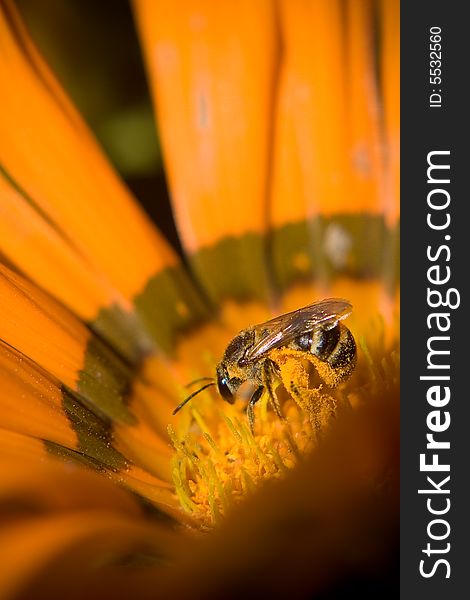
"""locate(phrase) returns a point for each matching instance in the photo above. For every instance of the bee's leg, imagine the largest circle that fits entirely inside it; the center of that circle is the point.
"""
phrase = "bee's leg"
(305, 405)
(296, 393)
(269, 370)
(320, 407)
(249, 411)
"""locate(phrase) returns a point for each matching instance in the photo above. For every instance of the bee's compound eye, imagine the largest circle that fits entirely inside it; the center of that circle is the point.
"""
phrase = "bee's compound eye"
(224, 390)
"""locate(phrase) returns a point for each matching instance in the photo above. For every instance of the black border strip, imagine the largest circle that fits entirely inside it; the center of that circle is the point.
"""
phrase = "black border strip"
(425, 129)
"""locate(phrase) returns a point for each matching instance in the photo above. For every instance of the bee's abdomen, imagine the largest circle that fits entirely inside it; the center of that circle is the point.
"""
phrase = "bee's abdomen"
(344, 353)
(325, 342)
(335, 346)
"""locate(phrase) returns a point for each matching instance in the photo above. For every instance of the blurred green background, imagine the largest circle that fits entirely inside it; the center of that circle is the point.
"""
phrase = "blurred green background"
(94, 51)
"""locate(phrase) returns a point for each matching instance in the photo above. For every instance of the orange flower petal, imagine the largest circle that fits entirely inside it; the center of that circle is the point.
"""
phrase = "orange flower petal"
(328, 208)
(41, 329)
(49, 259)
(311, 116)
(57, 486)
(52, 261)
(94, 249)
(365, 160)
(31, 402)
(212, 74)
(390, 66)
(48, 150)
(55, 512)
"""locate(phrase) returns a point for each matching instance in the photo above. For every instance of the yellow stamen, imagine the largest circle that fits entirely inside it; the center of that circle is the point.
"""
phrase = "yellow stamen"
(219, 461)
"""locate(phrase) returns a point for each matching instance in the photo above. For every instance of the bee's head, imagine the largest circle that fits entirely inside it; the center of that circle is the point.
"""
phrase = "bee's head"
(227, 386)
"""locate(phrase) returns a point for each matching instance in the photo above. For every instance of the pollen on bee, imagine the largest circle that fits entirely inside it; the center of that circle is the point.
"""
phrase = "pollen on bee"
(315, 401)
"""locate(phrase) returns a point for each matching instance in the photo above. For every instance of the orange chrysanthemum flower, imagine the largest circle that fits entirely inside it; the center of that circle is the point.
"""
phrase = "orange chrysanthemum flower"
(279, 124)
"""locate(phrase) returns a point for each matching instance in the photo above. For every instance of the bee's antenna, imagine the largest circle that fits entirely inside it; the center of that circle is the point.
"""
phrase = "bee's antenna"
(198, 381)
(181, 404)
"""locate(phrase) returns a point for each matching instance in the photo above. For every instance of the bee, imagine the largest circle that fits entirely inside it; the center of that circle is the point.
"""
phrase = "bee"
(255, 358)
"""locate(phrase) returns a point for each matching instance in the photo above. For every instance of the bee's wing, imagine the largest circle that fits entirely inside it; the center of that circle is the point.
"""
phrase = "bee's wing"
(285, 328)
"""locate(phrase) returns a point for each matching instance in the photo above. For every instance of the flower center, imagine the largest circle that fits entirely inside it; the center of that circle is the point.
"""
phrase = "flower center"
(218, 459)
